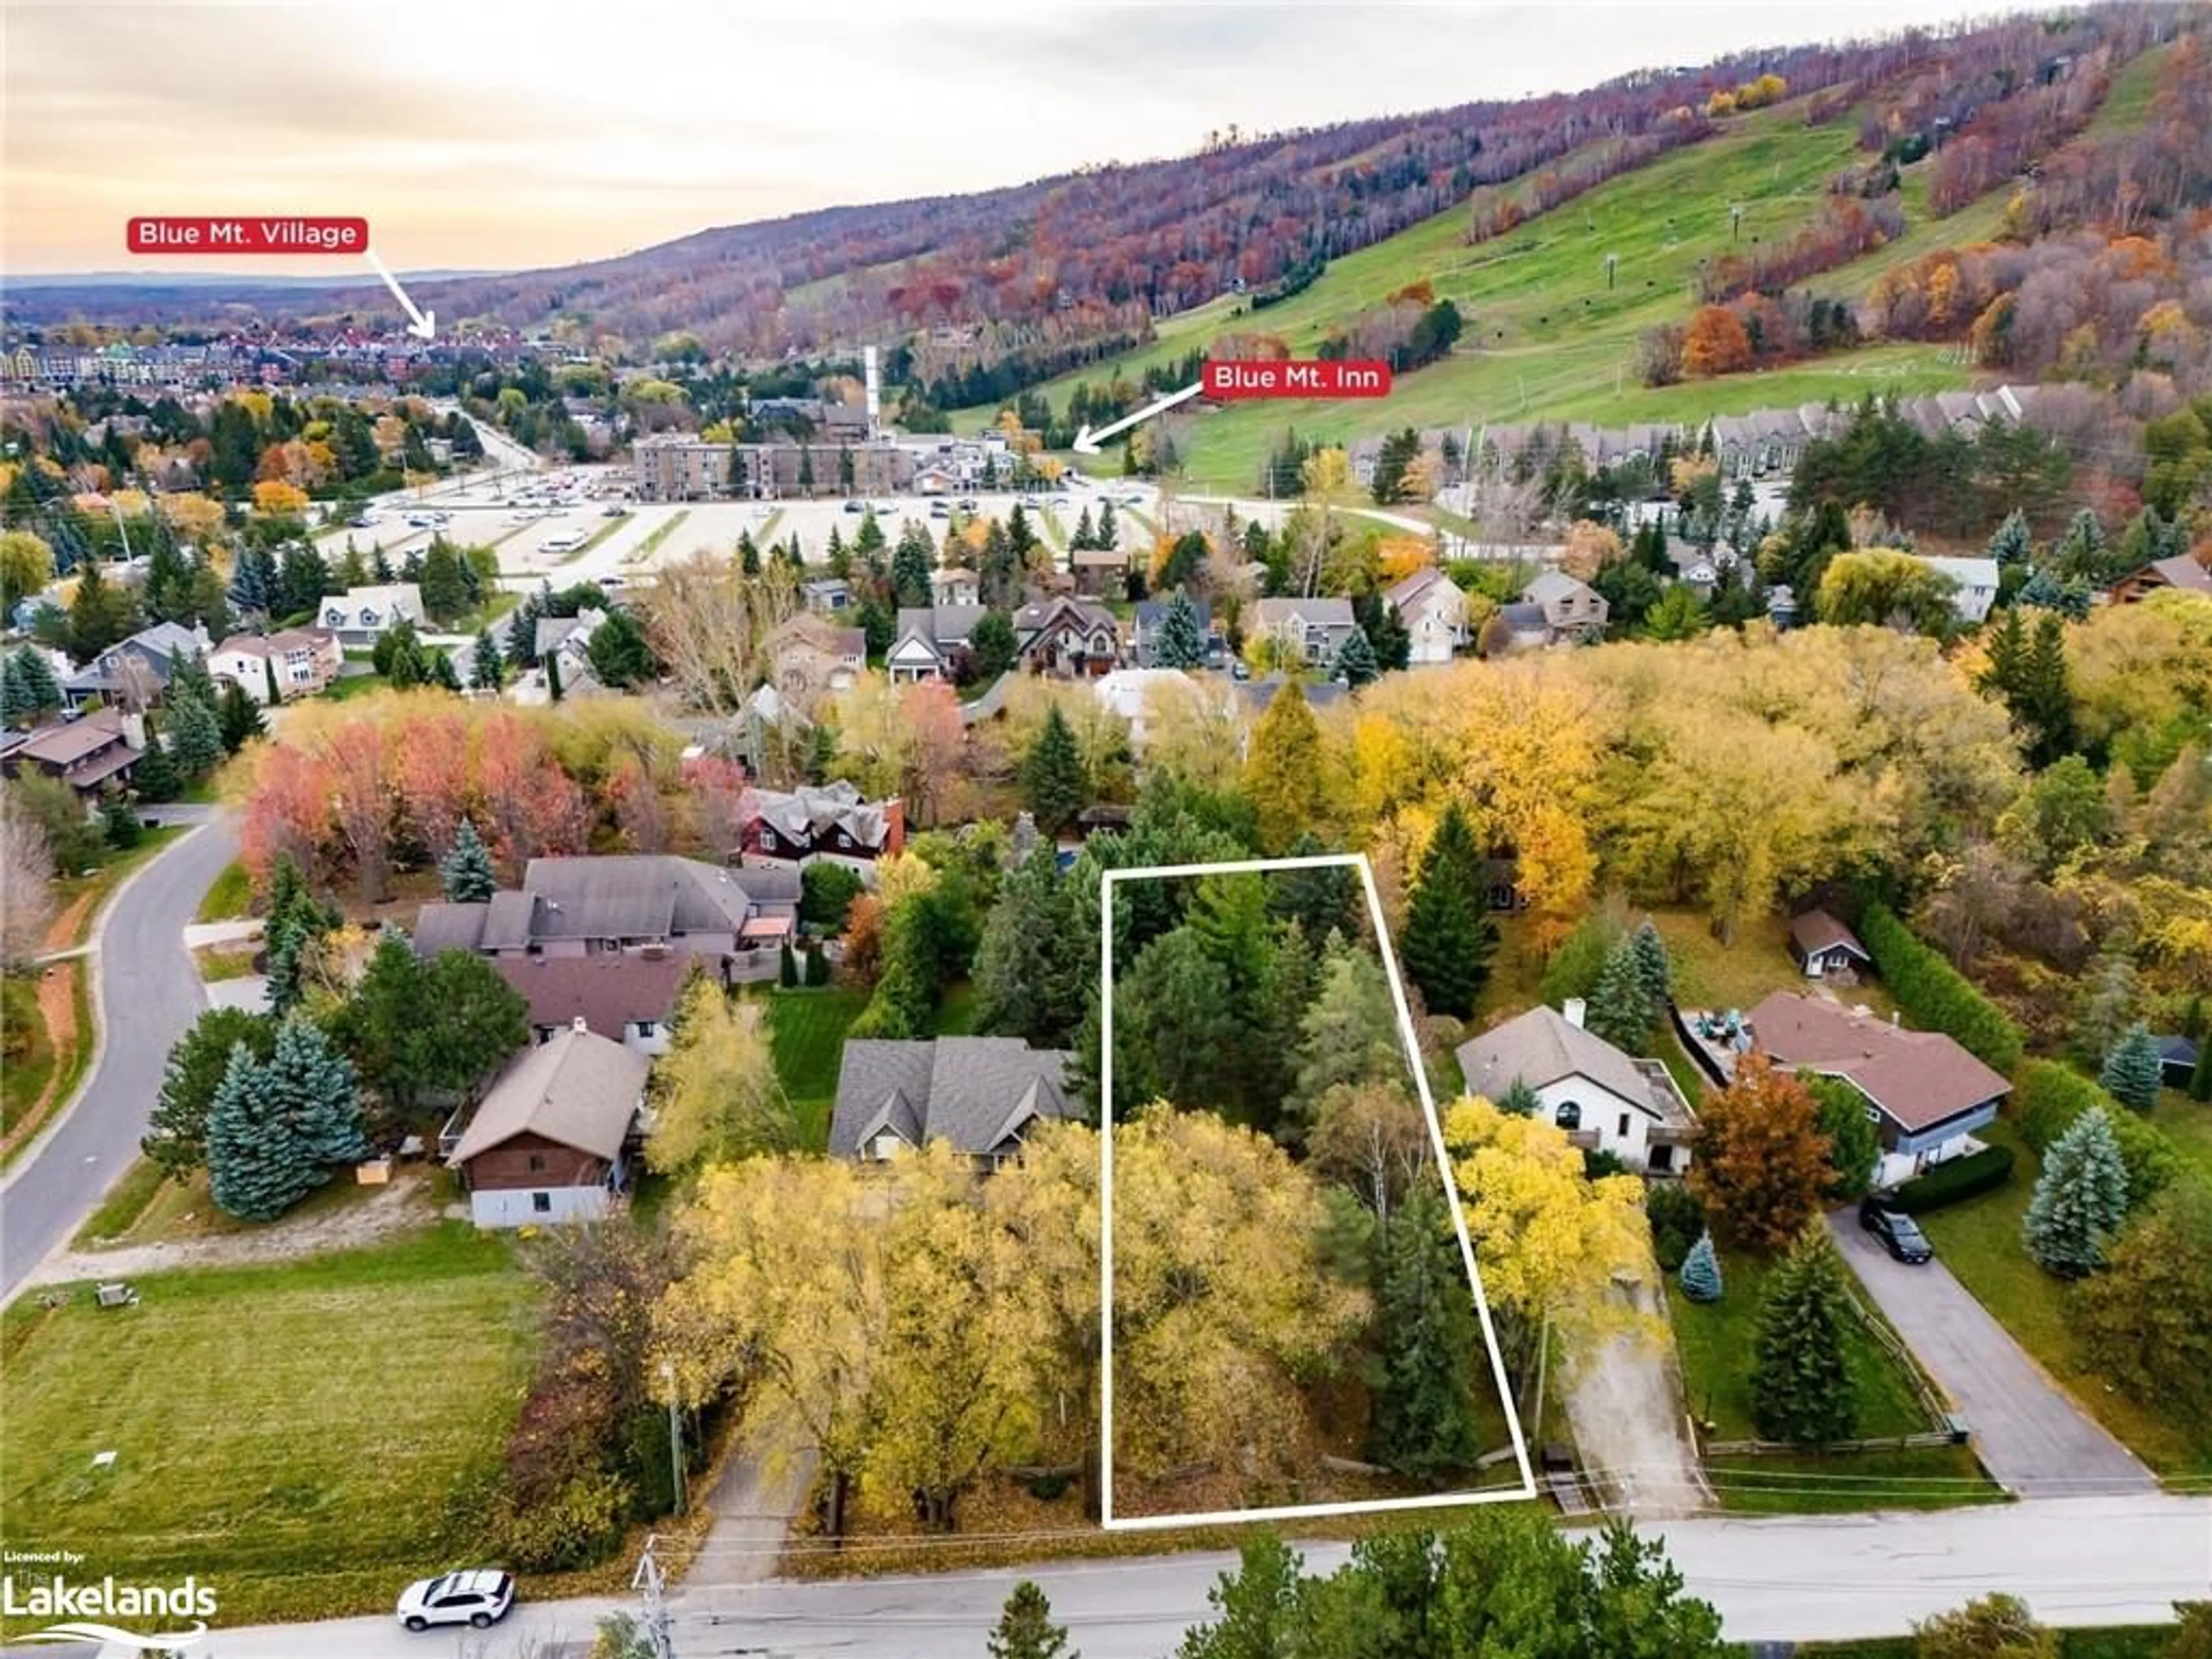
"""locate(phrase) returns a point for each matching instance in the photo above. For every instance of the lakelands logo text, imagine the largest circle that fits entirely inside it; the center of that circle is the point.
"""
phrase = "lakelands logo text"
(84, 1612)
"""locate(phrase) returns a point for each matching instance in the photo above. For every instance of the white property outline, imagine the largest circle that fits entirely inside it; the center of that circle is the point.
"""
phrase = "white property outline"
(1231, 1517)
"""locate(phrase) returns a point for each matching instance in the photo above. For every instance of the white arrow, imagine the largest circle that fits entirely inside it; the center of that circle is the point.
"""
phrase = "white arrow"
(1087, 442)
(420, 324)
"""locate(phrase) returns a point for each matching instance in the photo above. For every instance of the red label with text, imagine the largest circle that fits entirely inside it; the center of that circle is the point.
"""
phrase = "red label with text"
(283, 234)
(1323, 379)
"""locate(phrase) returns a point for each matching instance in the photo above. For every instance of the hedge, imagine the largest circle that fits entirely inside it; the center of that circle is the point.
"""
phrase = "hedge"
(2049, 1096)
(1954, 1179)
(1937, 996)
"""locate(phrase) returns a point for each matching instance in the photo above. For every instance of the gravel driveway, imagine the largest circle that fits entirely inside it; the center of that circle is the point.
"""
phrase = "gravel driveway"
(2030, 1436)
(1625, 1403)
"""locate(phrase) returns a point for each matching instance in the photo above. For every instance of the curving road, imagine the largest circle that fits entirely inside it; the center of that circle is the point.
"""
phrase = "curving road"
(147, 993)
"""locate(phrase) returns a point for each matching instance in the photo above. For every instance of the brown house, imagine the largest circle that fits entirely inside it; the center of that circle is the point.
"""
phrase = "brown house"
(550, 1139)
(91, 754)
(2183, 573)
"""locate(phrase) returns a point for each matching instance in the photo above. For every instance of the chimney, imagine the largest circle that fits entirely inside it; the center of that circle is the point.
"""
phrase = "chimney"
(1574, 1008)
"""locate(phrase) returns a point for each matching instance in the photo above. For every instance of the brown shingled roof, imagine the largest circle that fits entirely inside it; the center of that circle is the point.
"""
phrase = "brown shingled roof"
(606, 992)
(1918, 1079)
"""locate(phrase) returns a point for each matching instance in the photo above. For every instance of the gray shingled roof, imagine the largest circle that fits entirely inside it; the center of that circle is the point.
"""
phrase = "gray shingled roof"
(579, 1089)
(643, 896)
(974, 1093)
(440, 927)
(1540, 1048)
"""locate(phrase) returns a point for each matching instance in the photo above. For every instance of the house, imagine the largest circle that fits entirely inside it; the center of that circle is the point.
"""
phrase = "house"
(736, 919)
(360, 614)
(1152, 614)
(1573, 610)
(930, 643)
(629, 997)
(1974, 584)
(1925, 1093)
(1781, 607)
(826, 594)
(1101, 571)
(2177, 1060)
(135, 670)
(1605, 1101)
(1824, 948)
(1068, 638)
(1433, 608)
(2183, 573)
(550, 1139)
(980, 1094)
(1310, 631)
(298, 662)
(809, 655)
(92, 753)
(1525, 626)
(955, 587)
(828, 824)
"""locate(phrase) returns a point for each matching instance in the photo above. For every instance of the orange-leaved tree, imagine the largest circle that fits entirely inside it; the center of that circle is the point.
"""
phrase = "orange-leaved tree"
(1761, 1158)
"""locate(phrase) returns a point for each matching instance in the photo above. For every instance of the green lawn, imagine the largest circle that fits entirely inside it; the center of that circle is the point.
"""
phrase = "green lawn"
(23, 1079)
(306, 1436)
(1979, 1242)
(1709, 974)
(808, 1030)
(1717, 1339)
(2187, 1124)
(84, 895)
(349, 686)
(220, 962)
(1930, 1478)
(956, 1013)
(230, 898)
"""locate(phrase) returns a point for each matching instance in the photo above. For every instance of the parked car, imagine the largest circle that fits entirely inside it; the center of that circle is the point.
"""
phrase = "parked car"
(1899, 1233)
(939, 510)
(614, 510)
(479, 1597)
(851, 507)
(567, 542)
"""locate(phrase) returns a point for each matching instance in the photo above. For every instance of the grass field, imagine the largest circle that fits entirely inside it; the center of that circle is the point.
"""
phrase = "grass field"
(229, 897)
(1979, 1242)
(23, 1079)
(2121, 1642)
(808, 1030)
(308, 1437)
(1717, 1341)
(2187, 1124)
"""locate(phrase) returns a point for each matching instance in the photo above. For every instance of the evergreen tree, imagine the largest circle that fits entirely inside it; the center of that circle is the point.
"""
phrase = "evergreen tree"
(1519, 1100)
(274, 1129)
(195, 735)
(118, 824)
(1355, 662)
(39, 684)
(2200, 1080)
(787, 968)
(176, 1138)
(914, 566)
(1052, 781)
(2014, 544)
(442, 673)
(749, 558)
(1109, 534)
(1801, 1387)
(553, 676)
(466, 872)
(620, 653)
(1701, 1271)
(1448, 934)
(154, 779)
(1322, 900)
(240, 718)
(16, 707)
(253, 582)
(993, 647)
(1424, 1424)
(2080, 1199)
(2066, 596)
(445, 595)
(2046, 705)
(1653, 970)
(1181, 641)
(302, 579)
(1621, 1011)
(487, 667)
(2131, 1073)
(1025, 1630)
(868, 543)
(1084, 535)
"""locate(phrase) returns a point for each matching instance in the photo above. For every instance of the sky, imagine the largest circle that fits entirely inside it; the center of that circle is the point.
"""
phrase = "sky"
(514, 134)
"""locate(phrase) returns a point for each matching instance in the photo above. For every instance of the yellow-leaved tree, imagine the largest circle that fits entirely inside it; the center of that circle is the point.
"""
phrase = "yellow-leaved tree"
(1549, 1241)
(715, 1096)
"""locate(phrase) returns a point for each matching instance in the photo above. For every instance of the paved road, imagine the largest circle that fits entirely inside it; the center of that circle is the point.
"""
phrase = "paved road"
(2079, 1561)
(147, 993)
(2030, 1435)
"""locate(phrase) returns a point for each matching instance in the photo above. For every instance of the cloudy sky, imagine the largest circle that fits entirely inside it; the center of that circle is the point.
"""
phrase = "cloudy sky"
(486, 134)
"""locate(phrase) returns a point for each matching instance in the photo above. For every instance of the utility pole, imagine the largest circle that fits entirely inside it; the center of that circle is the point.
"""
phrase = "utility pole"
(649, 1581)
(675, 1436)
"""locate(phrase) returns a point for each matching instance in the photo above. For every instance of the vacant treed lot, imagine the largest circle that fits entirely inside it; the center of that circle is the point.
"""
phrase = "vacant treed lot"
(305, 1438)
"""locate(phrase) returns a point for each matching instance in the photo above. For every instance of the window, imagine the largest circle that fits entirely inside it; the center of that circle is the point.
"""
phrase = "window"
(647, 1028)
(1568, 1116)
(1662, 1159)
(542, 1203)
(536, 1162)
(1622, 1130)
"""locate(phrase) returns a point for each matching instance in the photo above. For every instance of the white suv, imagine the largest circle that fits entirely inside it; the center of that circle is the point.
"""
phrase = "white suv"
(481, 1597)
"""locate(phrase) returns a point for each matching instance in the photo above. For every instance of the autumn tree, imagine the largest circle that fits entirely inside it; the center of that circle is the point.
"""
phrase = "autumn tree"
(1993, 1627)
(1715, 343)
(1283, 774)
(1883, 587)
(2143, 1315)
(1762, 1161)
(1801, 1387)
(1215, 1324)
(26, 873)
(1448, 936)
(716, 1092)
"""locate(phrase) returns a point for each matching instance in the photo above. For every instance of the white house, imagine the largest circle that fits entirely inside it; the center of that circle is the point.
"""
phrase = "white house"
(1433, 608)
(1977, 583)
(1603, 1099)
(360, 614)
(298, 662)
